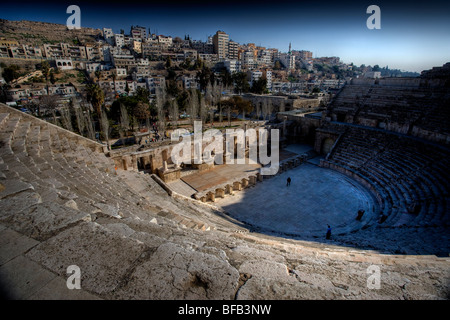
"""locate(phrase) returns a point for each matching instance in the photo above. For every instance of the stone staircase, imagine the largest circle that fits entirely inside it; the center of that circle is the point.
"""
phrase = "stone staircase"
(63, 204)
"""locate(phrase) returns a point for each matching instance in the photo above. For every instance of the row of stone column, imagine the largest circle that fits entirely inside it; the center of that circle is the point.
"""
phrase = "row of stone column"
(230, 188)
(291, 163)
(239, 185)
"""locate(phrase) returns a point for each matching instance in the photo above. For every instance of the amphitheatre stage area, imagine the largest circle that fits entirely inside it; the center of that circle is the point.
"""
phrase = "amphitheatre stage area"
(316, 198)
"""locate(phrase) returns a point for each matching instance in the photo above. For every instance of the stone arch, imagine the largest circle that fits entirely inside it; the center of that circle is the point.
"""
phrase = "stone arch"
(327, 144)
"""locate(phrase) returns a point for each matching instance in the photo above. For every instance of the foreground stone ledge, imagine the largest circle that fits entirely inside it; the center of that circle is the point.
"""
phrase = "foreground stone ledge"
(174, 272)
(42, 220)
(102, 256)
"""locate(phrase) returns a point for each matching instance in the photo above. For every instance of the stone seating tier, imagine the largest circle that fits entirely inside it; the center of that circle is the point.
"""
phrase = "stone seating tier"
(61, 202)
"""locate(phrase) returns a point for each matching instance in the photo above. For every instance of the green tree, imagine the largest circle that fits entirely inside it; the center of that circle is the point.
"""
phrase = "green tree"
(142, 94)
(226, 77)
(141, 112)
(236, 103)
(52, 77)
(45, 68)
(203, 77)
(96, 97)
(277, 65)
(114, 77)
(198, 65)
(11, 73)
(168, 63)
(98, 74)
(241, 84)
(259, 86)
(172, 88)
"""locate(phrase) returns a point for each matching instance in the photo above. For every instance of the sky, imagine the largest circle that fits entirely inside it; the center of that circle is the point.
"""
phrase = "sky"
(413, 36)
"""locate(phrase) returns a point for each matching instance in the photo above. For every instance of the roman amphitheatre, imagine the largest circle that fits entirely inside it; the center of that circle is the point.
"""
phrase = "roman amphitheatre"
(141, 227)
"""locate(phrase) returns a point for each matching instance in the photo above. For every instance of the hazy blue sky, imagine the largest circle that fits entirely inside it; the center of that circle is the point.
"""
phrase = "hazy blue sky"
(413, 36)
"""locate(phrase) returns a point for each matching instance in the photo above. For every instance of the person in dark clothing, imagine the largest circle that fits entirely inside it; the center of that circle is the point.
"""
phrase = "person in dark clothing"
(360, 214)
(288, 182)
(329, 232)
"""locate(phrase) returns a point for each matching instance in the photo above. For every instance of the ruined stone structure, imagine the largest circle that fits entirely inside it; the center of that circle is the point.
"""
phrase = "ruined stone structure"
(288, 102)
(412, 106)
(394, 140)
(63, 202)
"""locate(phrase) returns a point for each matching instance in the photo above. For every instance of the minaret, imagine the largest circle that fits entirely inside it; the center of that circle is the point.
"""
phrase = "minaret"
(289, 49)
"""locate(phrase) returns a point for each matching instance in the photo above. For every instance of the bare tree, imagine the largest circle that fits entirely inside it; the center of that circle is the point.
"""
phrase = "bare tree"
(50, 104)
(105, 128)
(258, 109)
(66, 118)
(174, 111)
(81, 121)
(203, 111)
(89, 122)
(124, 122)
(217, 94)
(142, 112)
(160, 101)
(193, 105)
(269, 108)
(282, 106)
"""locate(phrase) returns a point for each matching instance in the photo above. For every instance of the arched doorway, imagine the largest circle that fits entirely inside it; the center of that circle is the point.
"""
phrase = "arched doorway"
(327, 144)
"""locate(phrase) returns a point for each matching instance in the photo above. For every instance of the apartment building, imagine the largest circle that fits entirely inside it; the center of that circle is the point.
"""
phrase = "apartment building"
(94, 53)
(138, 32)
(8, 43)
(139, 73)
(220, 43)
(190, 54)
(155, 82)
(232, 65)
(264, 58)
(61, 50)
(20, 51)
(136, 45)
(151, 49)
(190, 82)
(254, 75)
(248, 60)
(288, 60)
(202, 47)
(209, 57)
(108, 35)
(123, 61)
(62, 89)
(165, 40)
(119, 40)
(267, 73)
(233, 50)
(303, 54)
(4, 53)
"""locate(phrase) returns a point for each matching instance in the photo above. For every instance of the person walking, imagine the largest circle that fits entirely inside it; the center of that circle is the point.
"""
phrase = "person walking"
(288, 182)
(328, 232)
